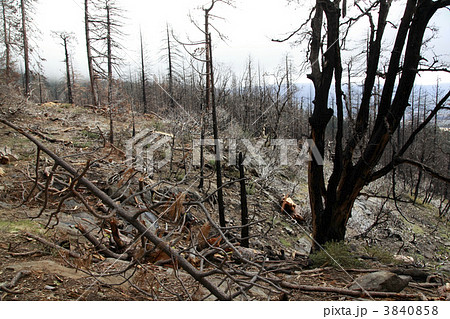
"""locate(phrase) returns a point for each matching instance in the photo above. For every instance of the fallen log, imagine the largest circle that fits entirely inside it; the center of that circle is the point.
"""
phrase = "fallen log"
(182, 262)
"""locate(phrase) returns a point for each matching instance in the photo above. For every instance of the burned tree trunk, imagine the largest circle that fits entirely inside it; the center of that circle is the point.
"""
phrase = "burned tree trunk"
(25, 48)
(110, 73)
(144, 80)
(332, 202)
(90, 59)
(244, 208)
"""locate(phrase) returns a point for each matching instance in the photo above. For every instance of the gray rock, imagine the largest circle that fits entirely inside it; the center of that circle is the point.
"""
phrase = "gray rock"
(381, 281)
(303, 246)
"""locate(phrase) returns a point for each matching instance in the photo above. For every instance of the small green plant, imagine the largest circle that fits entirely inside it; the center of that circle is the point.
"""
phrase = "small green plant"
(179, 176)
(285, 242)
(90, 135)
(250, 188)
(380, 254)
(335, 254)
(212, 163)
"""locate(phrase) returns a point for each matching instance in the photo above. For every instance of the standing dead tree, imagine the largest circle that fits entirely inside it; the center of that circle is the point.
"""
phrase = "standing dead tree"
(210, 101)
(143, 75)
(9, 30)
(66, 38)
(104, 42)
(332, 201)
(90, 59)
(25, 7)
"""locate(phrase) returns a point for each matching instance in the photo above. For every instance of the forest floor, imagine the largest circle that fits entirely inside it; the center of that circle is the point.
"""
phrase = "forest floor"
(411, 237)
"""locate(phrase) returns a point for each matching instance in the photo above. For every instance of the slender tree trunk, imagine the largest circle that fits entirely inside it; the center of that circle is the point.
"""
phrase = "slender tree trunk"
(6, 34)
(244, 208)
(89, 54)
(169, 53)
(144, 81)
(41, 95)
(216, 138)
(25, 48)
(69, 85)
(110, 75)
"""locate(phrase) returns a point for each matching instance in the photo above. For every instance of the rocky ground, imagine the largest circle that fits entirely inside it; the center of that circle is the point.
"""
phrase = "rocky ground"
(380, 236)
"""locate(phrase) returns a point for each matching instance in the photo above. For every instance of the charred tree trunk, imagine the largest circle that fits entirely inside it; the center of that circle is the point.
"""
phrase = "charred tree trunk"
(110, 75)
(144, 81)
(244, 208)
(220, 201)
(6, 41)
(69, 84)
(332, 203)
(90, 59)
(169, 55)
(25, 48)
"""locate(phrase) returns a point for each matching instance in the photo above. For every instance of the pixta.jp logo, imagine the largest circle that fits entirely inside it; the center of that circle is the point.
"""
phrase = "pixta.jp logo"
(149, 150)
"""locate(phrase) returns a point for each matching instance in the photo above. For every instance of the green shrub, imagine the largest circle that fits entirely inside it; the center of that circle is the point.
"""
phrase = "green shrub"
(379, 254)
(336, 254)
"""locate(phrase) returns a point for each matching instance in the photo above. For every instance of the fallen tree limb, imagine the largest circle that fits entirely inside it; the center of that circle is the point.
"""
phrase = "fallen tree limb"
(348, 292)
(143, 230)
(99, 246)
(54, 246)
(8, 286)
(50, 139)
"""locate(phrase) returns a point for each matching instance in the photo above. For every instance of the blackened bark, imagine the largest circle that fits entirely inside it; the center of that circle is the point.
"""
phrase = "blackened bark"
(244, 208)
(89, 54)
(144, 81)
(69, 84)
(110, 76)
(25, 48)
(331, 207)
(6, 42)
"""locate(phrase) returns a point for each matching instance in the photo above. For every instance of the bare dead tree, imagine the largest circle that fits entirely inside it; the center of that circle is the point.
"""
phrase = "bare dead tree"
(67, 38)
(24, 7)
(90, 58)
(143, 75)
(332, 201)
(9, 26)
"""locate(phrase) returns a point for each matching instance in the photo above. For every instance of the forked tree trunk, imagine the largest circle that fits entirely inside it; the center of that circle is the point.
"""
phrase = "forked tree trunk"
(332, 202)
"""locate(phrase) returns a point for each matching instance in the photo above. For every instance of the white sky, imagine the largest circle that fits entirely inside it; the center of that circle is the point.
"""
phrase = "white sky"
(249, 26)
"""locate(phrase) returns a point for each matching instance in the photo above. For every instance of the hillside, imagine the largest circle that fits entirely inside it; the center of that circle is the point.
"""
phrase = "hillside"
(54, 261)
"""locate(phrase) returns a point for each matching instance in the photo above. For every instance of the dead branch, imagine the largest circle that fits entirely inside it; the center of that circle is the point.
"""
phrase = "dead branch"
(99, 246)
(144, 231)
(54, 246)
(50, 139)
(8, 286)
(347, 292)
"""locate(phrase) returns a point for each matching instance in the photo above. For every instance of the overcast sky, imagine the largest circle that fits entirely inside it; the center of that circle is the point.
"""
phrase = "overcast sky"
(249, 27)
